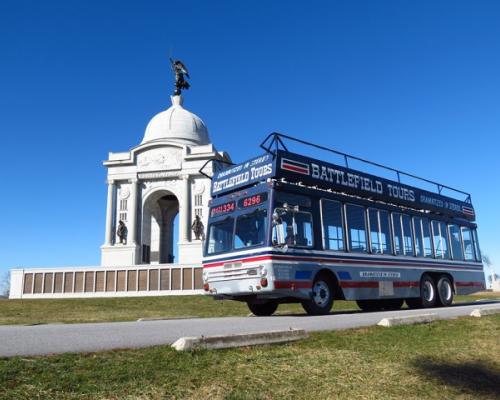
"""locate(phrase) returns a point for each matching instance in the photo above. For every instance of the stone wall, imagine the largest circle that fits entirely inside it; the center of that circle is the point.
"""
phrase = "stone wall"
(134, 280)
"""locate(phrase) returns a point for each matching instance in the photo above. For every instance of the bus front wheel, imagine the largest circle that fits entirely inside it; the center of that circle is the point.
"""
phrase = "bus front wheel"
(321, 300)
(263, 309)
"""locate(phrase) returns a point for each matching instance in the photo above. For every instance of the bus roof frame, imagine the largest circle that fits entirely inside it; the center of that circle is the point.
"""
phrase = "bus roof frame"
(276, 139)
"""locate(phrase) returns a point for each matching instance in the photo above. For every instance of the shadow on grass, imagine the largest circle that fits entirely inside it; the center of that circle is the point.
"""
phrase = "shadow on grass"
(477, 378)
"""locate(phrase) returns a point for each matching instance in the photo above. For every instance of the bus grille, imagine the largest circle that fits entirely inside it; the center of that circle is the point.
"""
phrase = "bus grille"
(232, 271)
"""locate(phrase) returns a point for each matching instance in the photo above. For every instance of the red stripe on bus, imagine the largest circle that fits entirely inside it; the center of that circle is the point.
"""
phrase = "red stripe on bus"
(359, 284)
(300, 170)
(330, 260)
(406, 284)
(292, 284)
(480, 284)
(250, 259)
(374, 284)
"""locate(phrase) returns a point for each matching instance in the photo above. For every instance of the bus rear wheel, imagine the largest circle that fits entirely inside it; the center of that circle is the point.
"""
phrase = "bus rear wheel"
(321, 301)
(444, 291)
(263, 309)
(428, 294)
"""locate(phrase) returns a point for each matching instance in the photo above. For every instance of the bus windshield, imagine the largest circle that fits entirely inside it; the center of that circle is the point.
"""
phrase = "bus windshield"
(246, 230)
(250, 229)
(220, 236)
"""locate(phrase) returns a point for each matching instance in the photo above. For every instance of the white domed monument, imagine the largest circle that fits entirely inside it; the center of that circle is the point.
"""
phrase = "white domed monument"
(153, 182)
(153, 190)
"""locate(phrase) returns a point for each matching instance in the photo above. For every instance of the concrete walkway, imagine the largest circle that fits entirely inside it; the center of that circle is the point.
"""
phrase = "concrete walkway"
(20, 340)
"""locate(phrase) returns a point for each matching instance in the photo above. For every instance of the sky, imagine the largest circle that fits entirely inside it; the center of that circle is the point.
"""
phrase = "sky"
(414, 85)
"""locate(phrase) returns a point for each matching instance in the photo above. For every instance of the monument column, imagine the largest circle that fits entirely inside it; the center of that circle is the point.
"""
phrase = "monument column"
(109, 213)
(133, 211)
(185, 210)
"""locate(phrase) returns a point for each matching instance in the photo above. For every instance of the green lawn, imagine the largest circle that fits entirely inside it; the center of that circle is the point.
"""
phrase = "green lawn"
(455, 359)
(133, 308)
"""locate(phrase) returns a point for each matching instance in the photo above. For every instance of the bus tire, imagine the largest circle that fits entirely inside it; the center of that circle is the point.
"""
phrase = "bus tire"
(322, 296)
(444, 291)
(428, 294)
(263, 309)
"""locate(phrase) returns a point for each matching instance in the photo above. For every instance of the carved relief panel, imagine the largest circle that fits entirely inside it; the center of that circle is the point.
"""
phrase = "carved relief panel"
(166, 158)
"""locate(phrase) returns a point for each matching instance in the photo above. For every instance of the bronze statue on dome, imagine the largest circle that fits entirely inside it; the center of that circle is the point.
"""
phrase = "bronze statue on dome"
(180, 71)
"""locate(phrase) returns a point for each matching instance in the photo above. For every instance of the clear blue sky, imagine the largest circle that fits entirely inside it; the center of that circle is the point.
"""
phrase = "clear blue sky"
(415, 85)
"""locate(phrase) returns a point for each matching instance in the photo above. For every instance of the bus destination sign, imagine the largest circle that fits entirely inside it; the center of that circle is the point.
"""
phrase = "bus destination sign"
(224, 208)
(251, 201)
(251, 171)
(295, 167)
(342, 179)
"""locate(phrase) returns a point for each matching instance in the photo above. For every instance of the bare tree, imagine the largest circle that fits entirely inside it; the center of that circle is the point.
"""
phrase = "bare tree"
(487, 261)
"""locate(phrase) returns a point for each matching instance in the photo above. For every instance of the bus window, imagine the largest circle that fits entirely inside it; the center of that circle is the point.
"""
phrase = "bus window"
(385, 232)
(297, 226)
(417, 228)
(426, 231)
(440, 239)
(380, 236)
(333, 234)
(375, 239)
(468, 245)
(407, 235)
(250, 229)
(398, 233)
(476, 245)
(456, 243)
(356, 227)
(220, 236)
(292, 200)
(444, 234)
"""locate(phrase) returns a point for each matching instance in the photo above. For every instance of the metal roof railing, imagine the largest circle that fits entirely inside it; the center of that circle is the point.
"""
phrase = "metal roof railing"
(275, 140)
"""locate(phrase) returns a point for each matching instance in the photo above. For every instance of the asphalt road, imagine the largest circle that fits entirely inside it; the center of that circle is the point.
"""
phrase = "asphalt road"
(20, 340)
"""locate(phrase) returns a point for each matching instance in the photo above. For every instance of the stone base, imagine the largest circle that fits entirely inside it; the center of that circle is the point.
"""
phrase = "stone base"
(120, 254)
(190, 252)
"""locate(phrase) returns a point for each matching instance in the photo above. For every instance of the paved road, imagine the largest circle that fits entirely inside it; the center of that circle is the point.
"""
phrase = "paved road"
(19, 340)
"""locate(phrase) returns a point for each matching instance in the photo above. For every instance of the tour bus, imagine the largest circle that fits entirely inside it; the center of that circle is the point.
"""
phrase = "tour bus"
(283, 228)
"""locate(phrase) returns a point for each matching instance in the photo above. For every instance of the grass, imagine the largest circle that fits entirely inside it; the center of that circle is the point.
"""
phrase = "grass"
(133, 308)
(455, 359)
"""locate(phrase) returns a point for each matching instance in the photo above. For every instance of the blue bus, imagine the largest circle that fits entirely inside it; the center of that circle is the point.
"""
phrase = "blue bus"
(284, 227)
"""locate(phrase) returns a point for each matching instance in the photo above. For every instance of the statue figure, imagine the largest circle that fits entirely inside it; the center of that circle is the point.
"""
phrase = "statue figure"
(121, 232)
(180, 71)
(198, 228)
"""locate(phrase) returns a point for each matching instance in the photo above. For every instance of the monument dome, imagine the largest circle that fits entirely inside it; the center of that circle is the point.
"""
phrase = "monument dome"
(178, 125)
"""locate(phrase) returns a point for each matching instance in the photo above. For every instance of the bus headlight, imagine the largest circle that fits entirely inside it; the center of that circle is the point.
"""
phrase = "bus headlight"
(205, 276)
(263, 271)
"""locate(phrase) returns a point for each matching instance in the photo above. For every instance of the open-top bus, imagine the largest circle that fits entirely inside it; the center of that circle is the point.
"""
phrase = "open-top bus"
(287, 228)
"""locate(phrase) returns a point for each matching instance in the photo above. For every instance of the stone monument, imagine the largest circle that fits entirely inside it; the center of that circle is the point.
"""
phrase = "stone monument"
(153, 182)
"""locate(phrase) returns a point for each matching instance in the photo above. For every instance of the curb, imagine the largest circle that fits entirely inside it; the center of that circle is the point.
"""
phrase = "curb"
(162, 318)
(481, 312)
(408, 320)
(240, 340)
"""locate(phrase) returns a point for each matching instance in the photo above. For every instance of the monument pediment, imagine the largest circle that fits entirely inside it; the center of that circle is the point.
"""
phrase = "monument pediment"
(160, 159)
